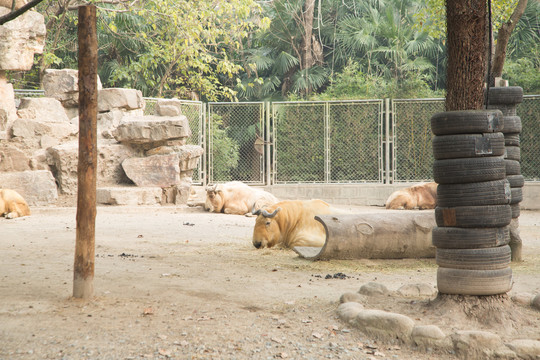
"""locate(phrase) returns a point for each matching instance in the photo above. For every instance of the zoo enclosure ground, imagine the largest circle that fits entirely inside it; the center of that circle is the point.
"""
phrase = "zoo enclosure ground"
(178, 282)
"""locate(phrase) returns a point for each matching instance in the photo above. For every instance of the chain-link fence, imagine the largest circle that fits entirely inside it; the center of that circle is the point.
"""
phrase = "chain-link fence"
(529, 112)
(412, 149)
(236, 148)
(327, 141)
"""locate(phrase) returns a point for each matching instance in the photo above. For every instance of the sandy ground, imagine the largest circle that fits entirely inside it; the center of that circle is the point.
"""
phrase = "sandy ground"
(177, 282)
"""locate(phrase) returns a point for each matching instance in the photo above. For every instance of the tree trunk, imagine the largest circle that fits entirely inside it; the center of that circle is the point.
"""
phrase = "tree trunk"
(466, 24)
(307, 53)
(83, 277)
(503, 36)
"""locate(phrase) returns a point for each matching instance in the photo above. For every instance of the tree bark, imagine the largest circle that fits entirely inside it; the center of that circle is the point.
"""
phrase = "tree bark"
(83, 277)
(307, 53)
(466, 36)
(503, 36)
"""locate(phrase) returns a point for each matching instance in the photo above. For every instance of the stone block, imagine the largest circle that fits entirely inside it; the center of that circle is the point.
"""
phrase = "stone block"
(43, 135)
(63, 85)
(157, 170)
(37, 187)
(12, 158)
(20, 39)
(151, 129)
(168, 107)
(129, 195)
(44, 109)
(117, 98)
(8, 111)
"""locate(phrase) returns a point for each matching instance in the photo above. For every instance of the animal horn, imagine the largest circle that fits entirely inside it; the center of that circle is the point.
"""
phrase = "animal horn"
(255, 212)
(211, 187)
(266, 214)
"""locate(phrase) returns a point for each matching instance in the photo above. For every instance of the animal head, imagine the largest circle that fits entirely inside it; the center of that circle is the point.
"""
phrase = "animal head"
(267, 232)
(214, 198)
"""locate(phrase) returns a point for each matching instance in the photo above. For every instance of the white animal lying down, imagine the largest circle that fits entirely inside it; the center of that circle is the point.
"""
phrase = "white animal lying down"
(236, 197)
(290, 223)
(12, 204)
(422, 196)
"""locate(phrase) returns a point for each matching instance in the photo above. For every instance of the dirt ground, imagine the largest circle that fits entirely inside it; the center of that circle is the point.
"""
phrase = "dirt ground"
(177, 282)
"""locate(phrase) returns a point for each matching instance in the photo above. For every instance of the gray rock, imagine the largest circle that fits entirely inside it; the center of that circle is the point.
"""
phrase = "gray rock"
(37, 187)
(430, 336)
(523, 299)
(349, 310)
(421, 290)
(526, 348)
(351, 297)
(152, 129)
(129, 195)
(43, 109)
(8, 111)
(63, 85)
(385, 325)
(20, 39)
(43, 135)
(168, 107)
(117, 98)
(475, 344)
(13, 159)
(535, 303)
(156, 170)
(373, 289)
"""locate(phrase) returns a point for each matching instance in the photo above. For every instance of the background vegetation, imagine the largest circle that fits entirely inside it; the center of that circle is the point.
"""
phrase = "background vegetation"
(282, 49)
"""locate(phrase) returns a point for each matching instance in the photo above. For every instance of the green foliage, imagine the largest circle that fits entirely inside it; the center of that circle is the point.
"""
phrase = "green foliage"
(525, 73)
(225, 150)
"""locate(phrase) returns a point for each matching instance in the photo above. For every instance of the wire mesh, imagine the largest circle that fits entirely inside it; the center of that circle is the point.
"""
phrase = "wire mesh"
(235, 131)
(413, 153)
(355, 141)
(529, 112)
(299, 141)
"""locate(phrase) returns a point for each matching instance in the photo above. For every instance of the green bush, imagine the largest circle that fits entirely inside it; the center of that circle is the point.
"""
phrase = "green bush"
(225, 151)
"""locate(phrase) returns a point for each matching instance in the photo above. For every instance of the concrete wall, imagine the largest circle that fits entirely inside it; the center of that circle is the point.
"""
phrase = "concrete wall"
(371, 194)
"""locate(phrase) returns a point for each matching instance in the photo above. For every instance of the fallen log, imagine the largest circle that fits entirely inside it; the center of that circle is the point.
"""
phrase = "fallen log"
(388, 235)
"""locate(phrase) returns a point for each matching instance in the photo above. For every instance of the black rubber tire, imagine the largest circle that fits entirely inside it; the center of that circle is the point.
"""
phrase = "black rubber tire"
(517, 195)
(472, 238)
(468, 145)
(467, 170)
(473, 216)
(474, 194)
(516, 181)
(512, 125)
(492, 258)
(467, 122)
(507, 110)
(511, 139)
(516, 210)
(513, 167)
(513, 153)
(474, 282)
(505, 95)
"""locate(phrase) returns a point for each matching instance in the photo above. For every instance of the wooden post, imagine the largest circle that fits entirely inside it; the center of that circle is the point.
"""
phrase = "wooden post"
(83, 277)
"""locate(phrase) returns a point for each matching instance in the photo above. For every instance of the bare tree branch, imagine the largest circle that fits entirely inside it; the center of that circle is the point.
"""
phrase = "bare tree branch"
(14, 14)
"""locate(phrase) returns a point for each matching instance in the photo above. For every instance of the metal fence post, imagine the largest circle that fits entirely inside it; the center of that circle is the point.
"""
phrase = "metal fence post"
(387, 141)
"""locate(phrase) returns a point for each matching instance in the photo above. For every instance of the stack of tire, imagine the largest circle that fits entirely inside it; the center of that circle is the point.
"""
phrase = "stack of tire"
(473, 203)
(506, 100)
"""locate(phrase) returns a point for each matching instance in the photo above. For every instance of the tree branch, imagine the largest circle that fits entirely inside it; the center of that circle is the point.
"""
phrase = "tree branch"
(14, 14)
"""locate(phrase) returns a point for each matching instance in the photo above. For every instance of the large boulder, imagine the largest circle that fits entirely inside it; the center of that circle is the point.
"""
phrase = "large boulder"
(37, 187)
(63, 85)
(64, 160)
(20, 39)
(43, 109)
(153, 171)
(152, 129)
(117, 98)
(8, 111)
